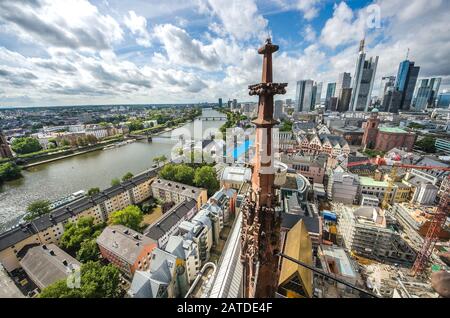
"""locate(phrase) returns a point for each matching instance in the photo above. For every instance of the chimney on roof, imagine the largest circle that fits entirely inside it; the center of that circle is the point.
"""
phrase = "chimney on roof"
(44, 247)
(136, 236)
(51, 252)
(65, 262)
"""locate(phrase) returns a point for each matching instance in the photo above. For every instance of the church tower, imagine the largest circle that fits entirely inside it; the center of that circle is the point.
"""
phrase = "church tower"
(371, 129)
(260, 236)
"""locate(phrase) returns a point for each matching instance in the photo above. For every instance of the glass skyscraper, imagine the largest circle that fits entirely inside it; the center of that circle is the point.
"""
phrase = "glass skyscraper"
(426, 93)
(304, 96)
(363, 81)
(406, 83)
(331, 89)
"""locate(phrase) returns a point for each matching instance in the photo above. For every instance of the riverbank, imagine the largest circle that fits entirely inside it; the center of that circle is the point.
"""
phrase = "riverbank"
(60, 178)
(62, 157)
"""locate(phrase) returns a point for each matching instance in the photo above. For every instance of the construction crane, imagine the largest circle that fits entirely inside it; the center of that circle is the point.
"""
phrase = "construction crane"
(439, 217)
(378, 161)
(436, 225)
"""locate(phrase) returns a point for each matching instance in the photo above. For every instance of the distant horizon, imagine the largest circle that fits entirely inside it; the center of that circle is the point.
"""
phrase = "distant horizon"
(103, 105)
(84, 52)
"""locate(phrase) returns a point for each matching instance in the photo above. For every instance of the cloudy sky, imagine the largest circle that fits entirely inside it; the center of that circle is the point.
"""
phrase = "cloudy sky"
(74, 52)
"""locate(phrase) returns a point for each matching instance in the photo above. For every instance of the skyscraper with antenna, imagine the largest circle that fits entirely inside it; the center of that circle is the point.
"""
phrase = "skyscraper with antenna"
(363, 80)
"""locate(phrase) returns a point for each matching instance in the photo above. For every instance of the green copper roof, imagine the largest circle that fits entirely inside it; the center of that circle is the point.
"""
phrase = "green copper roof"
(370, 182)
(375, 110)
(394, 130)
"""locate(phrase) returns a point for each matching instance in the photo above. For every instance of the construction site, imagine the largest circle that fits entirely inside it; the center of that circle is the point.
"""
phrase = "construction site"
(396, 250)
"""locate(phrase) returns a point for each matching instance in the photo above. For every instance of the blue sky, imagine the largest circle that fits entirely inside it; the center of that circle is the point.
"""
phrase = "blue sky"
(66, 52)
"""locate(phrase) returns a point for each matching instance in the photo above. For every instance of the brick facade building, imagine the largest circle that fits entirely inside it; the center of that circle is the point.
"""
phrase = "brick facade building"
(385, 138)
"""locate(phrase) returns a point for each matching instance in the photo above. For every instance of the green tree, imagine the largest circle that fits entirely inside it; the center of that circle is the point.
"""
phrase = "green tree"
(205, 177)
(96, 281)
(91, 139)
(115, 182)
(75, 233)
(130, 217)
(160, 159)
(65, 142)
(24, 145)
(127, 176)
(426, 144)
(36, 209)
(88, 251)
(9, 171)
(81, 141)
(286, 126)
(168, 172)
(415, 126)
(184, 174)
(135, 125)
(93, 191)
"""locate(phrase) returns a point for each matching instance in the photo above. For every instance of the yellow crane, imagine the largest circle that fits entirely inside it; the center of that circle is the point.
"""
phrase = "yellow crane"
(388, 194)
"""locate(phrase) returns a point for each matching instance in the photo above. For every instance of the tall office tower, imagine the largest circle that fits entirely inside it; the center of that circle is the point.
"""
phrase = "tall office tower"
(443, 100)
(386, 89)
(422, 95)
(230, 104)
(406, 82)
(344, 100)
(220, 102)
(304, 95)
(278, 109)
(261, 219)
(344, 81)
(331, 88)
(317, 95)
(387, 84)
(332, 104)
(235, 104)
(435, 84)
(363, 80)
(5, 151)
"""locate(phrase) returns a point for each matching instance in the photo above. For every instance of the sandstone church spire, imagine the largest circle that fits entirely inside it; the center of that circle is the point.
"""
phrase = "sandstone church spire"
(260, 237)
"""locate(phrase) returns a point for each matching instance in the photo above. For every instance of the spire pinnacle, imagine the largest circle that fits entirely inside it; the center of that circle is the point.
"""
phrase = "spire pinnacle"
(361, 45)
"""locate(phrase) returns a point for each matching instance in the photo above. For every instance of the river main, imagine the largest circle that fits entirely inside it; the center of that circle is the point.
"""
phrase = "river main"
(95, 169)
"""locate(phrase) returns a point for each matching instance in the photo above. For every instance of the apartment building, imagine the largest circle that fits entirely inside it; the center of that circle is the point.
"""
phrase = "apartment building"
(366, 231)
(48, 228)
(200, 231)
(125, 248)
(343, 186)
(186, 250)
(47, 264)
(170, 191)
(425, 194)
(312, 167)
(234, 177)
(166, 278)
(376, 188)
(167, 224)
(323, 143)
(286, 141)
